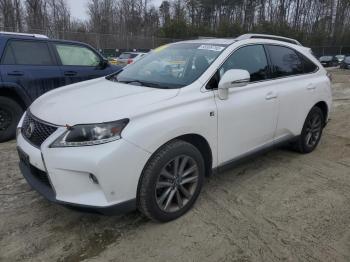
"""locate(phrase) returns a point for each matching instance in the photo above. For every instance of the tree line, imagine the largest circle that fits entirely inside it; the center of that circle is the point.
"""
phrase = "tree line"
(313, 22)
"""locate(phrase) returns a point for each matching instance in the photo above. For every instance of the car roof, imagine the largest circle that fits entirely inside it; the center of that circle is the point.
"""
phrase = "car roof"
(229, 41)
(39, 37)
(211, 41)
(15, 34)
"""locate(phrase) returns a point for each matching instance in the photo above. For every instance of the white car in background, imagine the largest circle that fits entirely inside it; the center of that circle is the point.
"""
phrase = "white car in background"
(128, 58)
(145, 138)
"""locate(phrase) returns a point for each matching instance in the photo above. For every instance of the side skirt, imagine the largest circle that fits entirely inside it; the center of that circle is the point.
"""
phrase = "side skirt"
(252, 154)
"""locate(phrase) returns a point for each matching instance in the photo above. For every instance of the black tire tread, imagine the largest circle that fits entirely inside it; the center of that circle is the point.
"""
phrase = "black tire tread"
(18, 111)
(298, 145)
(147, 176)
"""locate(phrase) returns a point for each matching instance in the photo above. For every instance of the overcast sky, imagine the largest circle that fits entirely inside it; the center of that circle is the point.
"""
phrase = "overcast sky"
(79, 10)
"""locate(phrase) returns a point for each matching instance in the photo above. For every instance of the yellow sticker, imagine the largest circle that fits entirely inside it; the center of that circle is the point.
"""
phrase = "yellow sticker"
(162, 47)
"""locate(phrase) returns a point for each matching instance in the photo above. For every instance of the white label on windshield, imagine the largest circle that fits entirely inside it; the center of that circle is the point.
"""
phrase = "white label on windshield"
(215, 48)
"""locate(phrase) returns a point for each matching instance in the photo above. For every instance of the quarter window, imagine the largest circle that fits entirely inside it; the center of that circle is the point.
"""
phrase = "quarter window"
(250, 58)
(285, 61)
(27, 53)
(73, 55)
(309, 67)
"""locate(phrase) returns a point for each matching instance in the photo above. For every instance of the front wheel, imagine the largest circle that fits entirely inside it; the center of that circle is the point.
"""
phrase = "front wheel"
(10, 114)
(171, 181)
(311, 132)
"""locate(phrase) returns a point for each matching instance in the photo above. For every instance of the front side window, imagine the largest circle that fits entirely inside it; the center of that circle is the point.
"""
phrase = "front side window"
(74, 55)
(171, 66)
(285, 61)
(250, 58)
(27, 53)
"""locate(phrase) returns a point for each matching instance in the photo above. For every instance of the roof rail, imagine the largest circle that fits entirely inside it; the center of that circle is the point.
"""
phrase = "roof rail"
(23, 34)
(272, 37)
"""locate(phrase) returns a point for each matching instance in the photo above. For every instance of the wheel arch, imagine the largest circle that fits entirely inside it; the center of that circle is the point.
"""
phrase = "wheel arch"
(11, 92)
(197, 141)
(203, 146)
(324, 108)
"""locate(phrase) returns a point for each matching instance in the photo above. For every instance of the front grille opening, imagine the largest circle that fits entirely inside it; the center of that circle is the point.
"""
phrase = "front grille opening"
(35, 130)
(40, 175)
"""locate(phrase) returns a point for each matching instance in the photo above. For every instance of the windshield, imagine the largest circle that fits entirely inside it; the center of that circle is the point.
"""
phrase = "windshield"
(326, 58)
(347, 59)
(340, 56)
(171, 66)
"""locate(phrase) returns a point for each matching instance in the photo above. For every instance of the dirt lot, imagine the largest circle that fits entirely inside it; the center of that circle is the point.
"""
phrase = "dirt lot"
(281, 206)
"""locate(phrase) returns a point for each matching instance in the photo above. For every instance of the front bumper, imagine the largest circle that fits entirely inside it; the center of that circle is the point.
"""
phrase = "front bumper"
(48, 192)
(116, 165)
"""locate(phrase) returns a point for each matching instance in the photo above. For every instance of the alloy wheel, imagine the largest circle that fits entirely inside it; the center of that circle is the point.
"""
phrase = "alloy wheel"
(313, 130)
(177, 183)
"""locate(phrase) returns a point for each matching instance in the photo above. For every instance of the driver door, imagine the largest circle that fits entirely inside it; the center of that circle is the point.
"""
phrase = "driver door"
(247, 119)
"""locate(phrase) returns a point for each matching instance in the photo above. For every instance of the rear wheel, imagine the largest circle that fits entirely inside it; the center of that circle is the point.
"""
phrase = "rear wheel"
(171, 181)
(10, 114)
(312, 131)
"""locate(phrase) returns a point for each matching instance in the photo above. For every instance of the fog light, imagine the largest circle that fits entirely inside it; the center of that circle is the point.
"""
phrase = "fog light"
(93, 179)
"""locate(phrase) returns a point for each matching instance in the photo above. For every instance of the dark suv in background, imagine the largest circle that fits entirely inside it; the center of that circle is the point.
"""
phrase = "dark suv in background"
(346, 63)
(329, 61)
(31, 65)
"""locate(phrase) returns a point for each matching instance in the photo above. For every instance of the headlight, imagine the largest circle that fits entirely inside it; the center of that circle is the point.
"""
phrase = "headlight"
(91, 134)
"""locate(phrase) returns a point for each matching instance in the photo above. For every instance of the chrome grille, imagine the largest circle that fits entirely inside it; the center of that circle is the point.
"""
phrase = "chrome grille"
(35, 130)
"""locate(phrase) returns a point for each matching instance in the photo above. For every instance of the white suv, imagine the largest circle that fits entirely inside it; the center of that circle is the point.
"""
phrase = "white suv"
(145, 138)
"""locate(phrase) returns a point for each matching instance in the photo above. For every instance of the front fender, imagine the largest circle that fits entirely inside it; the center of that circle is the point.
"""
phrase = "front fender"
(17, 90)
(152, 130)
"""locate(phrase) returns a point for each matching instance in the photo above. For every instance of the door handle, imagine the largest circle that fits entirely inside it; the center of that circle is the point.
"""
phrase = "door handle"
(271, 95)
(15, 73)
(311, 87)
(70, 73)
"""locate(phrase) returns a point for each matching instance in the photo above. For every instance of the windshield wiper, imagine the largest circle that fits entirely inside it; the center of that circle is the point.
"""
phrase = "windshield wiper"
(142, 83)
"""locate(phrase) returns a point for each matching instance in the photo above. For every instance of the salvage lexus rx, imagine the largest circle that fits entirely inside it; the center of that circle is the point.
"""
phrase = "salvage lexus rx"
(145, 138)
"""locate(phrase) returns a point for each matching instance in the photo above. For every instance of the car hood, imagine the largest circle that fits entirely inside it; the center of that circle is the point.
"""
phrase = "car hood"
(97, 101)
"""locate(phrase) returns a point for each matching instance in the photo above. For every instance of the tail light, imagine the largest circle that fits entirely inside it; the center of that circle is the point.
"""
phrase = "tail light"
(130, 61)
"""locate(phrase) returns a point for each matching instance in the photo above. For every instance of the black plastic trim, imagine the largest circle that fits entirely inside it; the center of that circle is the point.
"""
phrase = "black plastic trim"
(50, 195)
(252, 154)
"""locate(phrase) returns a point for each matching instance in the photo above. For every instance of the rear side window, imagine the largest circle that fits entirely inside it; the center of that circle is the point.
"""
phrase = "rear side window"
(285, 61)
(251, 58)
(74, 55)
(27, 53)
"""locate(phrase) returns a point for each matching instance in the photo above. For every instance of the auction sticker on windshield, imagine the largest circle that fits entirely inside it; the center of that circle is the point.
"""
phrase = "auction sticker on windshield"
(212, 48)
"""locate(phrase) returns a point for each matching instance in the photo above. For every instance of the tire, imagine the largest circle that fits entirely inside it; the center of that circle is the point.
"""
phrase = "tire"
(10, 114)
(311, 132)
(158, 178)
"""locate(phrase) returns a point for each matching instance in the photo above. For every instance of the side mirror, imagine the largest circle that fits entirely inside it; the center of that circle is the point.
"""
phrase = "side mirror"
(103, 63)
(232, 78)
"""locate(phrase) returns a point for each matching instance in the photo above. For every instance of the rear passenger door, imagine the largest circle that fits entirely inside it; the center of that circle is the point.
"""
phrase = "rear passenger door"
(295, 85)
(79, 63)
(31, 65)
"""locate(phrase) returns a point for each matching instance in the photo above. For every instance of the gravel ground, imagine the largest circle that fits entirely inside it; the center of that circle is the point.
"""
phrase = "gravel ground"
(281, 206)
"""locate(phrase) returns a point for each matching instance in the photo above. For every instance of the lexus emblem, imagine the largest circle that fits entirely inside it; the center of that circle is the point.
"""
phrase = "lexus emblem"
(30, 129)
